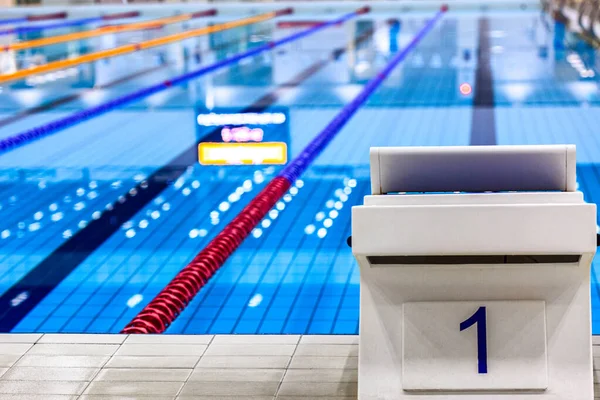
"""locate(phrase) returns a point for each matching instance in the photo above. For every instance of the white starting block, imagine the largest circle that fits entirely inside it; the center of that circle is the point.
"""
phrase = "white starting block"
(475, 275)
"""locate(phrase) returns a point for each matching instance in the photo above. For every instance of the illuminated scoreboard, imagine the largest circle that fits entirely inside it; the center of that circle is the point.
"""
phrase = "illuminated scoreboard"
(229, 136)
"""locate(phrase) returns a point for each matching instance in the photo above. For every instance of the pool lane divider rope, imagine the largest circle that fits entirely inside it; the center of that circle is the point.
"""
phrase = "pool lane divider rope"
(13, 21)
(106, 30)
(39, 132)
(63, 260)
(34, 18)
(51, 104)
(172, 300)
(65, 24)
(133, 47)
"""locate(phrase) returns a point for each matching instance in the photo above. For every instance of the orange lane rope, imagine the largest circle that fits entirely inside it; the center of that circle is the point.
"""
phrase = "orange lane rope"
(130, 48)
(105, 30)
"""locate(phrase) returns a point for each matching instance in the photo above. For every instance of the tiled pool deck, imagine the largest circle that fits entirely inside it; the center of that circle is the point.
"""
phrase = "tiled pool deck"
(228, 367)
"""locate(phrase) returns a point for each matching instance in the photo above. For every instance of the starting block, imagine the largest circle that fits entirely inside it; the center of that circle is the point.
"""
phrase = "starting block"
(475, 275)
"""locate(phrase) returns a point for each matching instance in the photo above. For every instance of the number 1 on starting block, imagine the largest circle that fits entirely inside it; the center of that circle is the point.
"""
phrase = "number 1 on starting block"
(491, 345)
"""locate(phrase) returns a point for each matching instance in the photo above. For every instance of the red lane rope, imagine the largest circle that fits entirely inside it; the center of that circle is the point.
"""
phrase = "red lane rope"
(123, 15)
(170, 302)
(297, 24)
(45, 17)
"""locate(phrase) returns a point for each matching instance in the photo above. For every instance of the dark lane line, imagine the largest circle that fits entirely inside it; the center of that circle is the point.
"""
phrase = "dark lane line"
(50, 272)
(483, 122)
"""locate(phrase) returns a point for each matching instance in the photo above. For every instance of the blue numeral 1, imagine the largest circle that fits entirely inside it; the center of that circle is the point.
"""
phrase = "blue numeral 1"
(479, 319)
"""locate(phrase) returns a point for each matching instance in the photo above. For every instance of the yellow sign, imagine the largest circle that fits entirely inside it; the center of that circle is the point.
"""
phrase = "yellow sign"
(242, 153)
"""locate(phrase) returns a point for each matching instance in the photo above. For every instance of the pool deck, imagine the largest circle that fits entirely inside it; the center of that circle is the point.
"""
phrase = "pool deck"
(232, 367)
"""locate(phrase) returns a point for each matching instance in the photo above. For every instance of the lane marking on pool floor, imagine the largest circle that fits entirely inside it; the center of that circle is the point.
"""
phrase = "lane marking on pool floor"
(42, 279)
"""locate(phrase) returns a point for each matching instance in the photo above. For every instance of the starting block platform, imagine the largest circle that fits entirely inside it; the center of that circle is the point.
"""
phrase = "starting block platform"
(475, 275)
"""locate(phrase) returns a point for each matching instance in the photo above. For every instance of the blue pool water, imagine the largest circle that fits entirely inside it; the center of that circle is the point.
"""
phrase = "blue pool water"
(295, 273)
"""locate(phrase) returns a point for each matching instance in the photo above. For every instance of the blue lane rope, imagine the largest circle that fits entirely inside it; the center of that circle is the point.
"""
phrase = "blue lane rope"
(13, 21)
(39, 132)
(34, 18)
(63, 24)
(297, 166)
(36, 28)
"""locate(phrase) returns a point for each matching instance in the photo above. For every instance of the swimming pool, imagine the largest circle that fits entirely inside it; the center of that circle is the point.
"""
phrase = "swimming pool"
(478, 78)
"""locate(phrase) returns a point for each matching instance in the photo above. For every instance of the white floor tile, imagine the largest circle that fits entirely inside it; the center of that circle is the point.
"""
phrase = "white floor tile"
(110, 397)
(318, 389)
(276, 362)
(41, 387)
(19, 337)
(256, 339)
(49, 374)
(250, 350)
(82, 338)
(14, 348)
(29, 396)
(329, 339)
(169, 339)
(134, 388)
(161, 350)
(321, 375)
(304, 397)
(213, 397)
(144, 374)
(74, 349)
(327, 350)
(305, 362)
(153, 362)
(237, 375)
(62, 361)
(8, 360)
(238, 389)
